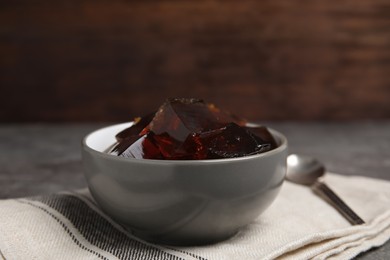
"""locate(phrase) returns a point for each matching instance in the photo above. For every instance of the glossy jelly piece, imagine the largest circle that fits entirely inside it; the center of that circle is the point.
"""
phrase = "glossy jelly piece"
(189, 129)
(123, 144)
(128, 136)
(179, 118)
(264, 134)
(139, 124)
(227, 142)
(143, 148)
(226, 117)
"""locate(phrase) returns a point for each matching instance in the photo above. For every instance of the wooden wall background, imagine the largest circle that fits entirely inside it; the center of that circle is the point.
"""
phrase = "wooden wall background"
(102, 60)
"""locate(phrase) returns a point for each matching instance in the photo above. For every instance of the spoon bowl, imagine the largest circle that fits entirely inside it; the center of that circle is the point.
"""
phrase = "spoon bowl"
(305, 170)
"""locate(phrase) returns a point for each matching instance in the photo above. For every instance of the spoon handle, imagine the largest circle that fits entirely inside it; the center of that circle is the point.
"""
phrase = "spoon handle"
(324, 191)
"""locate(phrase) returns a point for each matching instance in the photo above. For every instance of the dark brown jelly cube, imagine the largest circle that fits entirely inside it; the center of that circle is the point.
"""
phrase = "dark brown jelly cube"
(189, 129)
(227, 142)
(139, 124)
(178, 118)
(263, 133)
(123, 144)
(143, 148)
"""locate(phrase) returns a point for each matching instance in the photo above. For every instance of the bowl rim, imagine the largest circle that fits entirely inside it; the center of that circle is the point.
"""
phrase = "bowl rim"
(281, 147)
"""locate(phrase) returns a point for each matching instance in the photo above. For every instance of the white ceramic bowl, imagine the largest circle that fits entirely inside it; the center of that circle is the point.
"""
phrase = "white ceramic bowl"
(188, 202)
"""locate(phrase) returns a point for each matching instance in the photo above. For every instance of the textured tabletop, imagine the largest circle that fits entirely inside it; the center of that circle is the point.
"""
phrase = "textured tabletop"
(41, 158)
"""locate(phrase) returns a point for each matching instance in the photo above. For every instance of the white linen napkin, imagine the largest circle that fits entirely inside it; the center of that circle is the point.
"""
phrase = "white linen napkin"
(298, 225)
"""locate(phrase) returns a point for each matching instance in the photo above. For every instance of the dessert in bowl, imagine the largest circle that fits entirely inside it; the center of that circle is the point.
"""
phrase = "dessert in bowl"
(182, 201)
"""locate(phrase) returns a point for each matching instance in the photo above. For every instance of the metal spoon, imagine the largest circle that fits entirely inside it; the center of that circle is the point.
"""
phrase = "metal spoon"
(308, 171)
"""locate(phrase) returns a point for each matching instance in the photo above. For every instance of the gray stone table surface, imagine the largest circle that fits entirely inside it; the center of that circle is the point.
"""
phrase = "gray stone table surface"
(45, 158)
